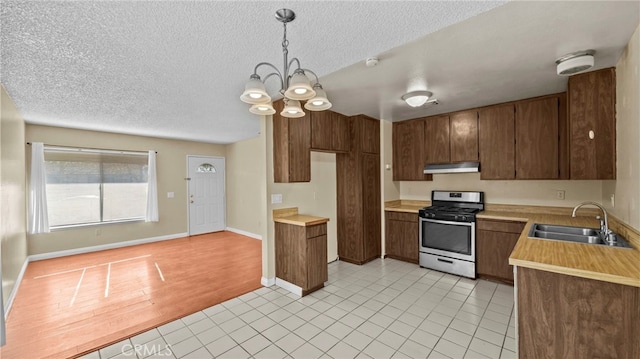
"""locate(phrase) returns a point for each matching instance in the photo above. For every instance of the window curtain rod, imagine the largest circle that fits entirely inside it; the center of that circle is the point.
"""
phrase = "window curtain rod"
(95, 150)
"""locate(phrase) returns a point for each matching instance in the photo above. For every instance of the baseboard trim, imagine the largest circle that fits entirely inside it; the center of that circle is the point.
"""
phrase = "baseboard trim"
(289, 286)
(14, 290)
(244, 233)
(102, 247)
(267, 282)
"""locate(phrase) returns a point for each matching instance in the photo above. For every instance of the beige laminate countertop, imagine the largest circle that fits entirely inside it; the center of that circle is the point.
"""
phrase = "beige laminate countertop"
(291, 216)
(615, 265)
(406, 206)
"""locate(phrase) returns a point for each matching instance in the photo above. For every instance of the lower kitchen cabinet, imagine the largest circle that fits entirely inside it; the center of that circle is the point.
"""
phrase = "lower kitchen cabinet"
(495, 241)
(301, 255)
(562, 316)
(401, 236)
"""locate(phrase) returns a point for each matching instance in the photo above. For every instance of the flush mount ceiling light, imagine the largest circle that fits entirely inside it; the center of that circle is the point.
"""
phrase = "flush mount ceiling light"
(575, 62)
(295, 85)
(417, 98)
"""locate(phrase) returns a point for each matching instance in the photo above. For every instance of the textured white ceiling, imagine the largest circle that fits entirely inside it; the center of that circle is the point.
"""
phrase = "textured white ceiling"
(176, 69)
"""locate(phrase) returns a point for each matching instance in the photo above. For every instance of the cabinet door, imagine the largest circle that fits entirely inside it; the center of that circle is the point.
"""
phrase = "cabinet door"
(393, 239)
(496, 140)
(436, 137)
(321, 130)
(492, 254)
(316, 261)
(291, 147)
(408, 151)
(371, 204)
(592, 111)
(410, 241)
(464, 136)
(537, 139)
(290, 250)
(300, 149)
(340, 141)
(370, 130)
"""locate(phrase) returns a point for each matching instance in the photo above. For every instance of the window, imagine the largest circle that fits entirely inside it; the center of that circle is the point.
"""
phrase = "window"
(206, 168)
(94, 186)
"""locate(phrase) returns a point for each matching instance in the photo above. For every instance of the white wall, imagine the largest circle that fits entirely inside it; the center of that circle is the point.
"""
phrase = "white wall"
(626, 187)
(12, 192)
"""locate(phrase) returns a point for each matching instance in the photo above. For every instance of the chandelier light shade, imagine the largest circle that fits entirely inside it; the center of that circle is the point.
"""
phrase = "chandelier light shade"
(295, 83)
(254, 91)
(319, 102)
(416, 98)
(292, 109)
(262, 109)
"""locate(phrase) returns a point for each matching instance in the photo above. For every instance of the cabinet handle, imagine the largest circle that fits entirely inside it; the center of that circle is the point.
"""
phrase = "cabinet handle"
(591, 134)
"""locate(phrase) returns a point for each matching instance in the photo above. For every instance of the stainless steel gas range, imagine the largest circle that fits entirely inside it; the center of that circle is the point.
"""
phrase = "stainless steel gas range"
(448, 232)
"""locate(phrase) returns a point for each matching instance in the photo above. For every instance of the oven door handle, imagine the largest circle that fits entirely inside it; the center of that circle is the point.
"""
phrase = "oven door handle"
(444, 260)
(468, 224)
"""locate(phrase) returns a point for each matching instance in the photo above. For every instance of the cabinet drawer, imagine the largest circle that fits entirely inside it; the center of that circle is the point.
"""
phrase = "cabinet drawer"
(402, 216)
(500, 226)
(317, 230)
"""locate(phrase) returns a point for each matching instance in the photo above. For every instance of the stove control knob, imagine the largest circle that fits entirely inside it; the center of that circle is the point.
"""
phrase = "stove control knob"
(433, 215)
(463, 218)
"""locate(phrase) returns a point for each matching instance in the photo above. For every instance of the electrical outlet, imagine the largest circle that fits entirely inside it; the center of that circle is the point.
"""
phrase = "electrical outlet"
(98, 231)
(170, 194)
(276, 198)
(560, 194)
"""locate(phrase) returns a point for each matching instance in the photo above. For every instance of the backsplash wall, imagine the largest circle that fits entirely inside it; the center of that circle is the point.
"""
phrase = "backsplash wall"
(526, 192)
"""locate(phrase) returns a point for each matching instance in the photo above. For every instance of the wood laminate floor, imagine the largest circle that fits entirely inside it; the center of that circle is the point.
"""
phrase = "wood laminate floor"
(72, 305)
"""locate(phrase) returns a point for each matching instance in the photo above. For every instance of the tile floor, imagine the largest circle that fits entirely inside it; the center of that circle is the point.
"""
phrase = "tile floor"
(383, 309)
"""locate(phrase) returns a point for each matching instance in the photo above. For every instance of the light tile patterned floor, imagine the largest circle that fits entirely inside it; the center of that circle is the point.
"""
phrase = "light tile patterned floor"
(383, 309)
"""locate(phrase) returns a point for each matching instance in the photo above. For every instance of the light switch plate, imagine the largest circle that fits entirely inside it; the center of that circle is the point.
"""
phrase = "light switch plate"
(170, 194)
(276, 198)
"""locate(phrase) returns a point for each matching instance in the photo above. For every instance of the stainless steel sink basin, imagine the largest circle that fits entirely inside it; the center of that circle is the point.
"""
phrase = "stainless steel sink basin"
(574, 234)
(567, 230)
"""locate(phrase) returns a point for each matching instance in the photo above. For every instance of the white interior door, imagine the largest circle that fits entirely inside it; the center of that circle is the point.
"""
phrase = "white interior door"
(206, 194)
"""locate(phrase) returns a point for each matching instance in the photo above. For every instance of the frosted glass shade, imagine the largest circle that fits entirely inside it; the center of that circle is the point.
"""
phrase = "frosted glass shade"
(319, 102)
(262, 109)
(254, 92)
(292, 109)
(299, 87)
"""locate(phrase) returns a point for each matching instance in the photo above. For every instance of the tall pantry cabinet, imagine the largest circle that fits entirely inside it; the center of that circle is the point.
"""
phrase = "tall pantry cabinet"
(358, 187)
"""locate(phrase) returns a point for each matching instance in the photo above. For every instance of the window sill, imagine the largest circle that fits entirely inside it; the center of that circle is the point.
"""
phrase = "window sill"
(89, 225)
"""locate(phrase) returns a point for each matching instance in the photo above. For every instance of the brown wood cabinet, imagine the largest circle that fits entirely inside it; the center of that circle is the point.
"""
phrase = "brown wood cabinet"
(495, 241)
(401, 239)
(561, 316)
(537, 138)
(496, 140)
(463, 136)
(301, 255)
(524, 139)
(329, 132)
(358, 189)
(291, 147)
(408, 151)
(436, 135)
(452, 138)
(592, 124)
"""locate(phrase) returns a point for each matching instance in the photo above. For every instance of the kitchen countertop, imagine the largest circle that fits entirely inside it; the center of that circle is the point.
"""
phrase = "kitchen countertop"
(406, 206)
(291, 216)
(615, 265)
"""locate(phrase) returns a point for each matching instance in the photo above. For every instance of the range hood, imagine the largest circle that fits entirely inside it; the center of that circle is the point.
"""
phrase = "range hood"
(460, 167)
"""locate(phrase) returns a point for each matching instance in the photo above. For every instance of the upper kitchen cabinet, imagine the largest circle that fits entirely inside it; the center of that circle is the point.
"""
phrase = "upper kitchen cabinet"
(496, 134)
(436, 135)
(463, 136)
(291, 147)
(592, 125)
(523, 139)
(329, 132)
(537, 138)
(452, 138)
(369, 138)
(408, 151)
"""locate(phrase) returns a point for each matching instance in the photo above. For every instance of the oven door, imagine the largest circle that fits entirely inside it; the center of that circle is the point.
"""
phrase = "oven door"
(448, 238)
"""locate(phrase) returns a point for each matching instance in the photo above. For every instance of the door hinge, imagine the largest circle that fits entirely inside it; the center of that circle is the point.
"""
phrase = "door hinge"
(187, 178)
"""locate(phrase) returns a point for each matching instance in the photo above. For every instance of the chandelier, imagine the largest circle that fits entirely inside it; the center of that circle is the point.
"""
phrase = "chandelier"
(295, 87)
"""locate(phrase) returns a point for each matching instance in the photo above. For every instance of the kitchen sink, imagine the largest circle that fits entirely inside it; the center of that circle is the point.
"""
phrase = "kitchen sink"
(574, 234)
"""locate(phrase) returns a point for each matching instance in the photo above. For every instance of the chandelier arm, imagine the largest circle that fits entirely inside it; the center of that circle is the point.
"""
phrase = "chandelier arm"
(255, 69)
(313, 73)
(275, 74)
(295, 59)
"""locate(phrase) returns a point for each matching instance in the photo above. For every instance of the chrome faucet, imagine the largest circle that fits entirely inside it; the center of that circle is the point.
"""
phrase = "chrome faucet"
(604, 225)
